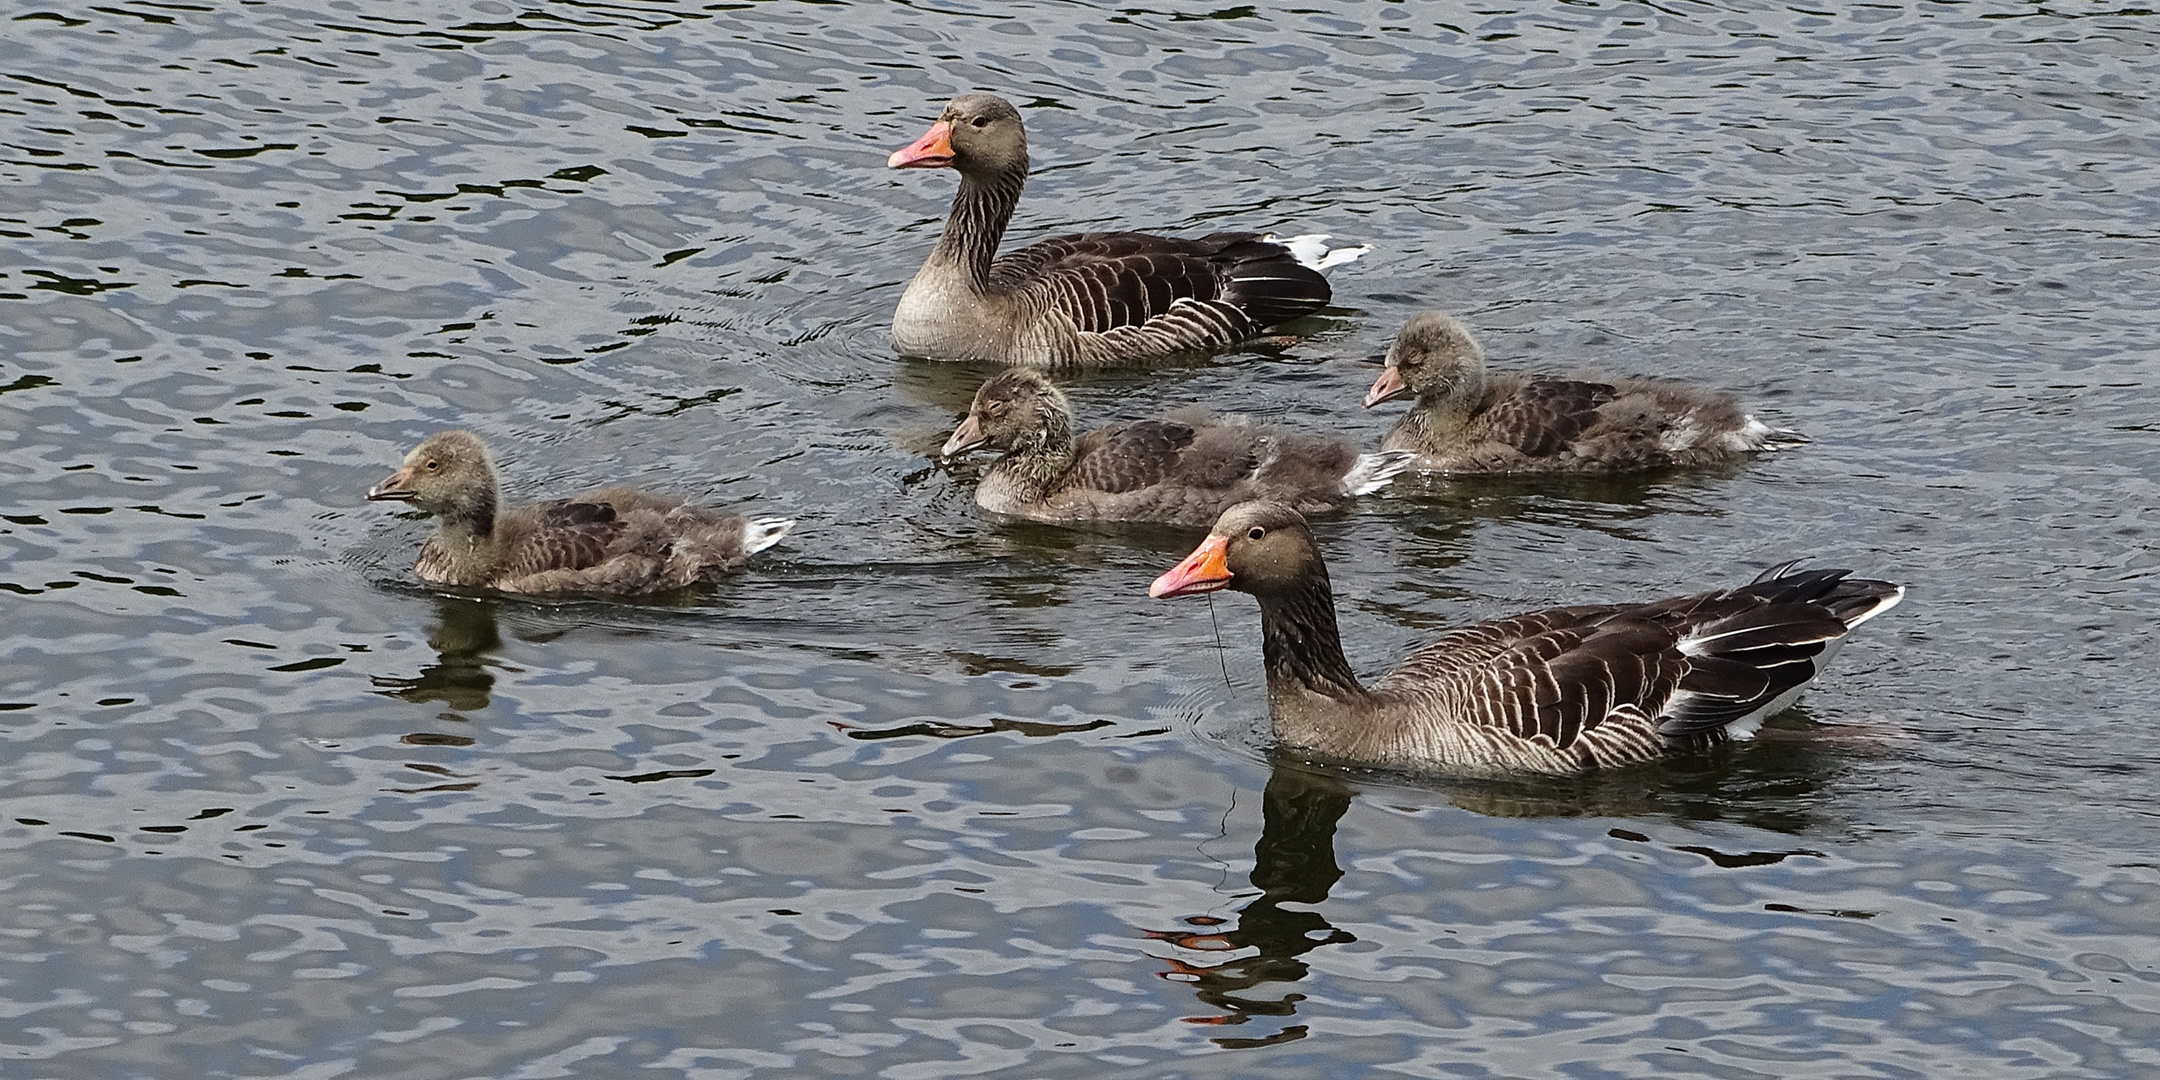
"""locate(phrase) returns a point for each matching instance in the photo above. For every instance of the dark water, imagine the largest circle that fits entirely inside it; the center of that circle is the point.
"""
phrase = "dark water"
(923, 796)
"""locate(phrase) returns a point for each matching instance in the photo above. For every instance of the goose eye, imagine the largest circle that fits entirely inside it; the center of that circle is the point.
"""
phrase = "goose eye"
(980, 121)
(1255, 533)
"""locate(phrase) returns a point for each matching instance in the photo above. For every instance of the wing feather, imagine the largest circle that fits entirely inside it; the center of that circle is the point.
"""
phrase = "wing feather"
(1106, 282)
(1616, 683)
(1543, 415)
(1128, 457)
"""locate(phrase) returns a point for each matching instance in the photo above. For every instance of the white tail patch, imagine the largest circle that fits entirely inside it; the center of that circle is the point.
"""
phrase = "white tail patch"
(1756, 435)
(761, 533)
(1371, 472)
(1886, 604)
(1311, 250)
(1747, 726)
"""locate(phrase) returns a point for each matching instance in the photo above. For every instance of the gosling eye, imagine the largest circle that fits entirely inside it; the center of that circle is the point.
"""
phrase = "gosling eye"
(1255, 533)
(995, 408)
(432, 465)
(980, 121)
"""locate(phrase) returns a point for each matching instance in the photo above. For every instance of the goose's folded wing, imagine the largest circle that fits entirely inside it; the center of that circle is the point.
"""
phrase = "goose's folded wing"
(1748, 647)
(1103, 281)
(564, 535)
(1128, 457)
(1553, 674)
(1222, 455)
(1544, 415)
(1107, 282)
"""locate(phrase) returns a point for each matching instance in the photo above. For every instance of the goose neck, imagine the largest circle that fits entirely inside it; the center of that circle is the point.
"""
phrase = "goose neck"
(1449, 411)
(980, 212)
(1036, 462)
(470, 515)
(1300, 645)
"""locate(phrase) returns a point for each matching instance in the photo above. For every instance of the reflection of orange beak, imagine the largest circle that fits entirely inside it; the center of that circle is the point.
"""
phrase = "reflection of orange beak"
(1387, 387)
(932, 151)
(393, 488)
(1202, 571)
(966, 437)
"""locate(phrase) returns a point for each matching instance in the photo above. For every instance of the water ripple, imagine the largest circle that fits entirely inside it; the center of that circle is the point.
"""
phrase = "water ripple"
(920, 795)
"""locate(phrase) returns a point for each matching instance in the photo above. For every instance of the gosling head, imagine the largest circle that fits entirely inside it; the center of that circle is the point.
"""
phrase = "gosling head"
(450, 475)
(1433, 354)
(1009, 410)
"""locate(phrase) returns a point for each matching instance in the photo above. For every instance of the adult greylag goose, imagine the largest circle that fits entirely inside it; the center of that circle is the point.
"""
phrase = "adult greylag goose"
(613, 540)
(1086, 298)
(1565, 690)
(1181, 469)
(1467, 420)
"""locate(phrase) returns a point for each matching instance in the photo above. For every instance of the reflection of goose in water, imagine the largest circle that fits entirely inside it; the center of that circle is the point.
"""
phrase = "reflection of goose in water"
(464, 639)
(1293, 863)
(1228, 961)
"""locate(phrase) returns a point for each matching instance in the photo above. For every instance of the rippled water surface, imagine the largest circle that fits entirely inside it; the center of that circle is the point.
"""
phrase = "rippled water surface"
(925, 796)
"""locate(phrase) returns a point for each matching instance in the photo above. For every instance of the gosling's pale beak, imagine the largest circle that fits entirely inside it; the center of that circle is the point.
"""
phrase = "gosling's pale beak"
(932, 151)
(966, 437)
(1202, 571)
(1387, 387)
(393, 488)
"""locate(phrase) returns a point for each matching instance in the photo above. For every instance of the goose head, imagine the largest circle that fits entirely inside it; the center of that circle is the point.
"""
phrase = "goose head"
(1260, 547)
(1012, 409)
(449, 475)
(1434, 354)
(977, 133)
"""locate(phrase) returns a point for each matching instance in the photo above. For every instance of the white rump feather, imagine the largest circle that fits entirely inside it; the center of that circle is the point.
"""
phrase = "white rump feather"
(1311, 250)
(764, 532)
(1372, 472)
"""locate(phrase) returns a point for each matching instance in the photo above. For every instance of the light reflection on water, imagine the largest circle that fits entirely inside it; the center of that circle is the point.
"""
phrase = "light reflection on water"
(922, 795)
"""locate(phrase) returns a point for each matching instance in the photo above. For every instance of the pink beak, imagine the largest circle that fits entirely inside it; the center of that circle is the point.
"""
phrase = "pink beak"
(1202, 571)
(393, 488)
(932, 151)
(966, 437)
(1387, 387)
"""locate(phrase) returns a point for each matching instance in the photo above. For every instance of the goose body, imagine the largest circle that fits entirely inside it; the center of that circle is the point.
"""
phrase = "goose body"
(614, 540)
(1181, 469)
(1466, 420)
(1086, 298)
(1565, 690)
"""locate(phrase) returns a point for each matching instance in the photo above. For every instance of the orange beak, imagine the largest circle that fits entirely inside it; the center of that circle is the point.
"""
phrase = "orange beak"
(1202, 571)
(1387, 387)
(966, 437)
(932, 151)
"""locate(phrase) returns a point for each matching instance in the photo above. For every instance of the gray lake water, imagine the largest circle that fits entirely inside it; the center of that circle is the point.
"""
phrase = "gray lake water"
(925, 796)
